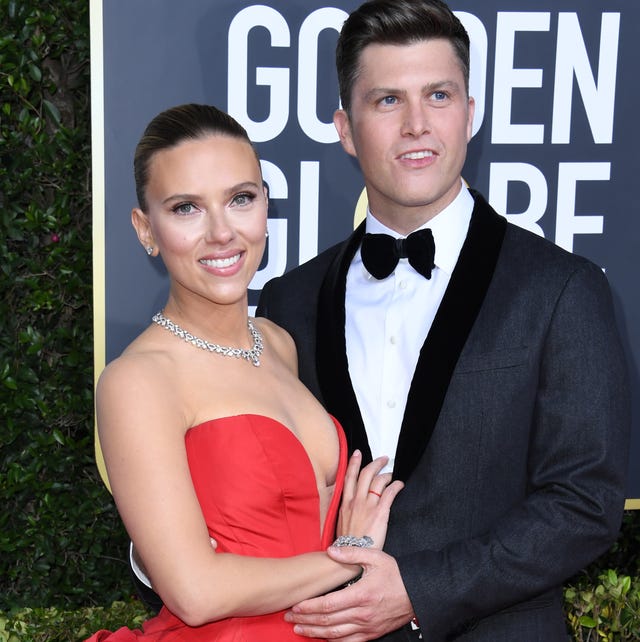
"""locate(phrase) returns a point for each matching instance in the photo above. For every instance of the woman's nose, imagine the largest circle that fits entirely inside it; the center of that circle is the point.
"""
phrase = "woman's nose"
(218, 228)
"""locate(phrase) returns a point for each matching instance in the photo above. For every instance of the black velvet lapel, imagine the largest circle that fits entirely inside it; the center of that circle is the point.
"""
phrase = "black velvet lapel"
(451, 327)
(331, 349)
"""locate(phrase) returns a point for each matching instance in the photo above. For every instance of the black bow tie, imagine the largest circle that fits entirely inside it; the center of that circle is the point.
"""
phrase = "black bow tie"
(381, 252)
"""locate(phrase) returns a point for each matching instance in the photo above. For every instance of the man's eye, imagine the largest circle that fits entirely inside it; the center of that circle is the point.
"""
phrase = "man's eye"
(389, 100)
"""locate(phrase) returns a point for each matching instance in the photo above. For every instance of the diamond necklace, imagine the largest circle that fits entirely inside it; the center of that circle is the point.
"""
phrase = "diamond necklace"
(252, 355)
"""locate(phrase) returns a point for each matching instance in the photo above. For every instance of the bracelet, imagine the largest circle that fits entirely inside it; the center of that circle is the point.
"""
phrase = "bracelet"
(351, 540)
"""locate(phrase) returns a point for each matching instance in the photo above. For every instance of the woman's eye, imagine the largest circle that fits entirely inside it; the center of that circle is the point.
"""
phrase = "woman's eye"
(245, 198)
(183, 209)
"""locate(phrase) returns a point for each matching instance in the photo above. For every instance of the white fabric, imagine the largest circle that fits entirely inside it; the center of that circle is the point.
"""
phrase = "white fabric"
(140, 574)
(387, 322)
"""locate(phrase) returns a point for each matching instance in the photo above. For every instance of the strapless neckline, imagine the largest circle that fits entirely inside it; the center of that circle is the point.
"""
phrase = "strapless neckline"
(275, 422)
(290, 435)
(225, 418)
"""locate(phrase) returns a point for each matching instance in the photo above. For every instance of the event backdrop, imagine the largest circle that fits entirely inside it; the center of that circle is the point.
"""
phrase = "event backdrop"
(554, 146)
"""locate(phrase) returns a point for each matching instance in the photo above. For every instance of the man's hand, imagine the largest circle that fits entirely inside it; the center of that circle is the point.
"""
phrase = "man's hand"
(375, 605)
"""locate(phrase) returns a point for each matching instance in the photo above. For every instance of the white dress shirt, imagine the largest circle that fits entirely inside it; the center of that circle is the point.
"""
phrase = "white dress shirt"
(388, 320)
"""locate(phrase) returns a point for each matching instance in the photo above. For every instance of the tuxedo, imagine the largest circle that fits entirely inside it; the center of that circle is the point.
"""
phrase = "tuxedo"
(513, 444)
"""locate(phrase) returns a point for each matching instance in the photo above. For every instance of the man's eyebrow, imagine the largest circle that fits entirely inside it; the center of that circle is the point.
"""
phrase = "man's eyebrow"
(394, 91)
(383, 91)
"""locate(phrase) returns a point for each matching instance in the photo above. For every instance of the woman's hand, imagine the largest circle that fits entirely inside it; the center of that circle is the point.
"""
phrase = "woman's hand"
(367, 499)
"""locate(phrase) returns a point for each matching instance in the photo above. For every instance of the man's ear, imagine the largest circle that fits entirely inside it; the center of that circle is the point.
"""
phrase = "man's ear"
(343, 126)
(471, 109)
(140, 222)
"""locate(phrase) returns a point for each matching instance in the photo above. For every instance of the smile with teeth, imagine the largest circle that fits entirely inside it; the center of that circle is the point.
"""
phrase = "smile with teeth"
(417, 155)
(221, 263)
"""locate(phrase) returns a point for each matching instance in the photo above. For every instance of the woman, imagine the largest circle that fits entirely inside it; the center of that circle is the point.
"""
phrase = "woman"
(214, 436)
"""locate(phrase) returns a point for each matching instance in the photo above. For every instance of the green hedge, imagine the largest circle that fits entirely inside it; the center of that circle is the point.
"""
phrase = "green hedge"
(607, 610)
(61, 543)
(56, 625)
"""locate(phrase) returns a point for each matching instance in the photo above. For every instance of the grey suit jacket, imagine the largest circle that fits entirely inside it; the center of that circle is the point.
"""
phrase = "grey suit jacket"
(514, 441)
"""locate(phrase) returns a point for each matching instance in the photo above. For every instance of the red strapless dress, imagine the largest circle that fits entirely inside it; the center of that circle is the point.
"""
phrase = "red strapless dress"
(258, 494)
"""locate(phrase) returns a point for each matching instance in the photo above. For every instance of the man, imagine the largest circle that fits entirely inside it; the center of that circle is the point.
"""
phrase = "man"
(495, 382)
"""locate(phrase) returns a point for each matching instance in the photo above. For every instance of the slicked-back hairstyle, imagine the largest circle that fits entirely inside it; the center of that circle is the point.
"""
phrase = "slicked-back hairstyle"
(174, 126)
(395, 22)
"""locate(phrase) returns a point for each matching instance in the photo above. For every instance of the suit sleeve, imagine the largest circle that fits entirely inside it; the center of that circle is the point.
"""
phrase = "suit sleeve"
(262, 309)
(577, 457)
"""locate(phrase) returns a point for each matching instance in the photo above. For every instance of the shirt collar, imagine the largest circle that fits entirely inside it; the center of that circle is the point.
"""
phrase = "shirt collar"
(449, 228)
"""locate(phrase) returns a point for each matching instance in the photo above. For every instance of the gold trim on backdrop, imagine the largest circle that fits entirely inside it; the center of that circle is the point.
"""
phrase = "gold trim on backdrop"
(632, 504)
(98, 196)
(361, 208)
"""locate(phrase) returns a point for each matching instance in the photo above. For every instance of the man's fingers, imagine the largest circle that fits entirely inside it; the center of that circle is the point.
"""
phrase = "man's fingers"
(338, 633)
(348, 625)
(335, 602)
(330, 623)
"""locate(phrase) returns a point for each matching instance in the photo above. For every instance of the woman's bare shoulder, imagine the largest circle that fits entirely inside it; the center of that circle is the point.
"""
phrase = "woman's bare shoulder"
(280, 341)
(144, 369)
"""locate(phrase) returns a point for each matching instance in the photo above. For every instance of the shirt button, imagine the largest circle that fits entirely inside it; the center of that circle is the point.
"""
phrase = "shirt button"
(391, 403)
(402, 285)
(393, 340)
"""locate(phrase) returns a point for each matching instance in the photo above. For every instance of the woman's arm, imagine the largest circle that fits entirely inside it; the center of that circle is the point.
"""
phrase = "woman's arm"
(142, 436)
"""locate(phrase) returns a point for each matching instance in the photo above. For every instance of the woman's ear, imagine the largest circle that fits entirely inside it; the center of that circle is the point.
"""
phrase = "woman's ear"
(140, 222)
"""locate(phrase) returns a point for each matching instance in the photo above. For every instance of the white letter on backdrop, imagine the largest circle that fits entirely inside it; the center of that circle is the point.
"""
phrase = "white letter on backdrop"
(506, 77)
(599, 99)
(314, 24)
(501, 174)
(276, 78)
(567, 223)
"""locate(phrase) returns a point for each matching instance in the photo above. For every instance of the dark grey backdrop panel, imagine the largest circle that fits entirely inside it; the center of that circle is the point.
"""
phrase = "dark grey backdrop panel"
(555, 141)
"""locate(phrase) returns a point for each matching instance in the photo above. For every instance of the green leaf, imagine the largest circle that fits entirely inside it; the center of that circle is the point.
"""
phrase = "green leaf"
(35, 72)
(10, 383)
(52, 110)
(587, 622)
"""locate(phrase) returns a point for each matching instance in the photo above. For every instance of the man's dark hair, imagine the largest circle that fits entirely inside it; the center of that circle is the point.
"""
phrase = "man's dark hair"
(395, 22)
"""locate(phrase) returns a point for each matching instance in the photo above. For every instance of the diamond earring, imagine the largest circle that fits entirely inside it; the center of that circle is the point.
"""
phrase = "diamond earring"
(149, 250)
